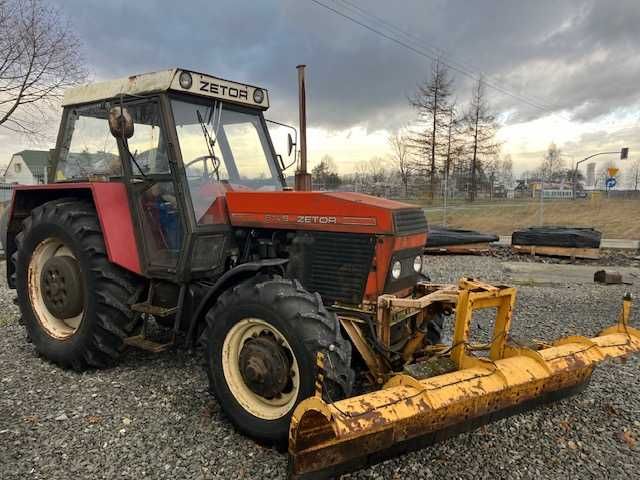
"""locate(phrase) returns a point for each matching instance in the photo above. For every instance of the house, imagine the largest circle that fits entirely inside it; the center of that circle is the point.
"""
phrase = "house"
(28, 167)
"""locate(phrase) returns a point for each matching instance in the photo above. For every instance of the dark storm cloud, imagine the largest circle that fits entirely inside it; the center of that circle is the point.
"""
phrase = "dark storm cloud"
(575, 56)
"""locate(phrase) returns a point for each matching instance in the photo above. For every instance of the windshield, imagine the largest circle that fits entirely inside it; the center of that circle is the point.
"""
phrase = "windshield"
(222, 147)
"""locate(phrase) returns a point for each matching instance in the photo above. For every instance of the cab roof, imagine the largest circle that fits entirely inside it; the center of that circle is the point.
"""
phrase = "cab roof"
(174, 79)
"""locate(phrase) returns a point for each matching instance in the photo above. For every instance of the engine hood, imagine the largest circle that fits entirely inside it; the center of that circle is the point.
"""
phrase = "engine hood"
(324, 211)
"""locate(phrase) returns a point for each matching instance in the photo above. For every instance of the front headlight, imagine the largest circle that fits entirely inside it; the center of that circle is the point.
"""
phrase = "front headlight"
(185, 80)
(417, 264)
(258, 95)
(396, 270)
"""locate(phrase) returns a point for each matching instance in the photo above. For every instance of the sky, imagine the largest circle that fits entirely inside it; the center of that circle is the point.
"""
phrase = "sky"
(558, 71)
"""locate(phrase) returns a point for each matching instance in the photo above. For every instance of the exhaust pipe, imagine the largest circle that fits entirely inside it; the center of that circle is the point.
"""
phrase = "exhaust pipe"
(302, 177)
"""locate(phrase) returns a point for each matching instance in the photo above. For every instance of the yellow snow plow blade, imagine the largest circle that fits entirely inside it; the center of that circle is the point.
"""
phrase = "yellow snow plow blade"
(328, 439)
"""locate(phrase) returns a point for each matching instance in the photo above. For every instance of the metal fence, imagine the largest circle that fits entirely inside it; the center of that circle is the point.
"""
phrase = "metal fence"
(6, 191)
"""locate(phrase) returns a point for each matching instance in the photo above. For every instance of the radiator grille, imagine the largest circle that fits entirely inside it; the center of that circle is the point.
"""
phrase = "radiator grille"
(337, 265)
(411, 220)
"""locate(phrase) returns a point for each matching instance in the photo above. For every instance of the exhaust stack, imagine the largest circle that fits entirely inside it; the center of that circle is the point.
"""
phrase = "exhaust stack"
(302, 178)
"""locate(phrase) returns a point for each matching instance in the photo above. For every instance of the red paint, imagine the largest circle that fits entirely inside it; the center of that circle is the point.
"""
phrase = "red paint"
(353, 213)
(112, 205)
(325, 211)
(383, 253)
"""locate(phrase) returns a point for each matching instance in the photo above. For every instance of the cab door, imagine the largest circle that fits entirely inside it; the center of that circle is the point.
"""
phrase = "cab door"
(152, 181)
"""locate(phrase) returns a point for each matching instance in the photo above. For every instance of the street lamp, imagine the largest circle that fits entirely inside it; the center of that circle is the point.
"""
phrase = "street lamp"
(624, 154)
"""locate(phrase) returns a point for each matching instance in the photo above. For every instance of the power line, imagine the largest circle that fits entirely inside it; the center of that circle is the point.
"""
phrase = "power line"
(431, 56)
(469, 68)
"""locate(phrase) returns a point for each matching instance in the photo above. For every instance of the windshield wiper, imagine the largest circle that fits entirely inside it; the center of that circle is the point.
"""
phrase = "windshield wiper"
(211, 143)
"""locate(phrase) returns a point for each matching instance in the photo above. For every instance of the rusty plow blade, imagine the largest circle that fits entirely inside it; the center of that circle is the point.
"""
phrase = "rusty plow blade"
(328, 439)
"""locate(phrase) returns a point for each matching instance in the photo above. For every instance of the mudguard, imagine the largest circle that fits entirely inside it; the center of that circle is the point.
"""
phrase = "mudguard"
(112, 206)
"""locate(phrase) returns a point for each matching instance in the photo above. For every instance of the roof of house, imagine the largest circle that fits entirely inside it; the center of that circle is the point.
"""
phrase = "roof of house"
(36, 160)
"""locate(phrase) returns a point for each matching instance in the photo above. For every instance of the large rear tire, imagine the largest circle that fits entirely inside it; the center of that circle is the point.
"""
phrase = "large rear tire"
(74, 302)
(262, 340)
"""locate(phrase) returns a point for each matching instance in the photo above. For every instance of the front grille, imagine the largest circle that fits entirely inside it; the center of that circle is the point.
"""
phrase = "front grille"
(336, 265)
(411, 220)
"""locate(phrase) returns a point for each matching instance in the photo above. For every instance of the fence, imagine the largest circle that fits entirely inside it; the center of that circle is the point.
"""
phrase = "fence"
(6, 191)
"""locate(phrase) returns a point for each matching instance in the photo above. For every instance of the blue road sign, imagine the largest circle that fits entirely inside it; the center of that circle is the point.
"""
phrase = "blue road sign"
(611, 182)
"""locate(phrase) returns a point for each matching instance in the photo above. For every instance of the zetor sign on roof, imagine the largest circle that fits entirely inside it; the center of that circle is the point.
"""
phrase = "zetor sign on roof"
(174, 79)
(200, 84)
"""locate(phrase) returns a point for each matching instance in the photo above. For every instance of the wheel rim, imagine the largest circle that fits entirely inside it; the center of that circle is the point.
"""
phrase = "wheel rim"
(237, 339)
(54, 326)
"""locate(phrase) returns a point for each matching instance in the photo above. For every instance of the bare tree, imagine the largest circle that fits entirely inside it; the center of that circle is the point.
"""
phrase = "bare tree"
(39, 58)
(506, 171)
(432, 103)
(492, 169)
(481, 128)
(553, 168)
(453, 148)
(325, 174)
(400, 156)
(377, 169)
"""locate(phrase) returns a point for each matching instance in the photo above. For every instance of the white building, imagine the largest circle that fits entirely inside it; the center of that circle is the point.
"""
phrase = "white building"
(27, 167)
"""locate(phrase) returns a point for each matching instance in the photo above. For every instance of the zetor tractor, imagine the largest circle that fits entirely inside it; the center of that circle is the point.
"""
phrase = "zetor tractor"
(168, 201)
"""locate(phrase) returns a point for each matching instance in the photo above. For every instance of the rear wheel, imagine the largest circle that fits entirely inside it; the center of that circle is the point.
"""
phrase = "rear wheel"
(262, 341)
(73, 301)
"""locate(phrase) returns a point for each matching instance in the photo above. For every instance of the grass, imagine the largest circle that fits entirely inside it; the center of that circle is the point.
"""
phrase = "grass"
(614, 218)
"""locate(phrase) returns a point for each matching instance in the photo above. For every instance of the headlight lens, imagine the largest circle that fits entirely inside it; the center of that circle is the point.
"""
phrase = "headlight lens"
(417, 264)
(185, 80)
(396, 269)
(258, 95)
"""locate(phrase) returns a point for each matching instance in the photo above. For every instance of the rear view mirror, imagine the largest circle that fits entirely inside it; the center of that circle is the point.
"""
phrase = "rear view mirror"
(291, 143)
(120, 122)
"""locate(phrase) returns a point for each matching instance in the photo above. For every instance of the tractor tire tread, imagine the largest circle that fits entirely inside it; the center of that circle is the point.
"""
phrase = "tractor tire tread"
(304, 312)
(113, 287)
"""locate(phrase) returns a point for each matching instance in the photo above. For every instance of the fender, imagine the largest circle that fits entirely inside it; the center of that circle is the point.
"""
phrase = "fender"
(112, 206)
(227, 280)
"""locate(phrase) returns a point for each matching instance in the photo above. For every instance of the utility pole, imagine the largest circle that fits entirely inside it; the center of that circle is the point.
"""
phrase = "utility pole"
(542, 200)
(446, 194)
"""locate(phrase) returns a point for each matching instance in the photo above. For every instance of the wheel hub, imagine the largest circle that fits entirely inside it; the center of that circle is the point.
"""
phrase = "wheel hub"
(62, 293)
(265, 366)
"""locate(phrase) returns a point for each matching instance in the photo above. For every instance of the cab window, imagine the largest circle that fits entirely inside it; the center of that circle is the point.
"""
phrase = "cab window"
(88, 148)
(148, 148)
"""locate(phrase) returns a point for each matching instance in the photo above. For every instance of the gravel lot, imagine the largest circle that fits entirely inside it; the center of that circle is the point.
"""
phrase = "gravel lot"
(152, 417)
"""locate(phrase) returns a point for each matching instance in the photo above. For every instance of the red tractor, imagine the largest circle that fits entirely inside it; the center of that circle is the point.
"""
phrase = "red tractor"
(169, 201)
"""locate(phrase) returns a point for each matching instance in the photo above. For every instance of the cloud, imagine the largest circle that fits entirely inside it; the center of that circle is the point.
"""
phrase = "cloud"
(579, 58)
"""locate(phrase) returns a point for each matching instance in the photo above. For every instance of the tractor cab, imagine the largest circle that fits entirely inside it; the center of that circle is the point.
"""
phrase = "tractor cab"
(178, 140)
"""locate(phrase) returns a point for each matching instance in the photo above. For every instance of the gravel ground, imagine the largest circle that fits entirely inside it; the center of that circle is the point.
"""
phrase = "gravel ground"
(151, 417)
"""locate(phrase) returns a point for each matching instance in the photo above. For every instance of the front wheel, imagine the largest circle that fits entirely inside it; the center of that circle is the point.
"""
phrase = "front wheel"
(262, 340)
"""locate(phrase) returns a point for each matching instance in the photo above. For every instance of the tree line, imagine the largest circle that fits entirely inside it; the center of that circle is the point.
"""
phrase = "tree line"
(449, 147)
(452, 147)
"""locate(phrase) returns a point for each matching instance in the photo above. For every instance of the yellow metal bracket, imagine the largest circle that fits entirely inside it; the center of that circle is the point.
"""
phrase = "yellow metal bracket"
(474, 295)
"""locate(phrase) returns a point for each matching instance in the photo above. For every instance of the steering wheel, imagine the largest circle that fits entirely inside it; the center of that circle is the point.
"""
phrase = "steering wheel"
(207, 173)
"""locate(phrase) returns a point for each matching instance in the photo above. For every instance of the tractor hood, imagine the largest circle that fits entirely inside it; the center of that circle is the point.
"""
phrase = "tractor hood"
(325, 211)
